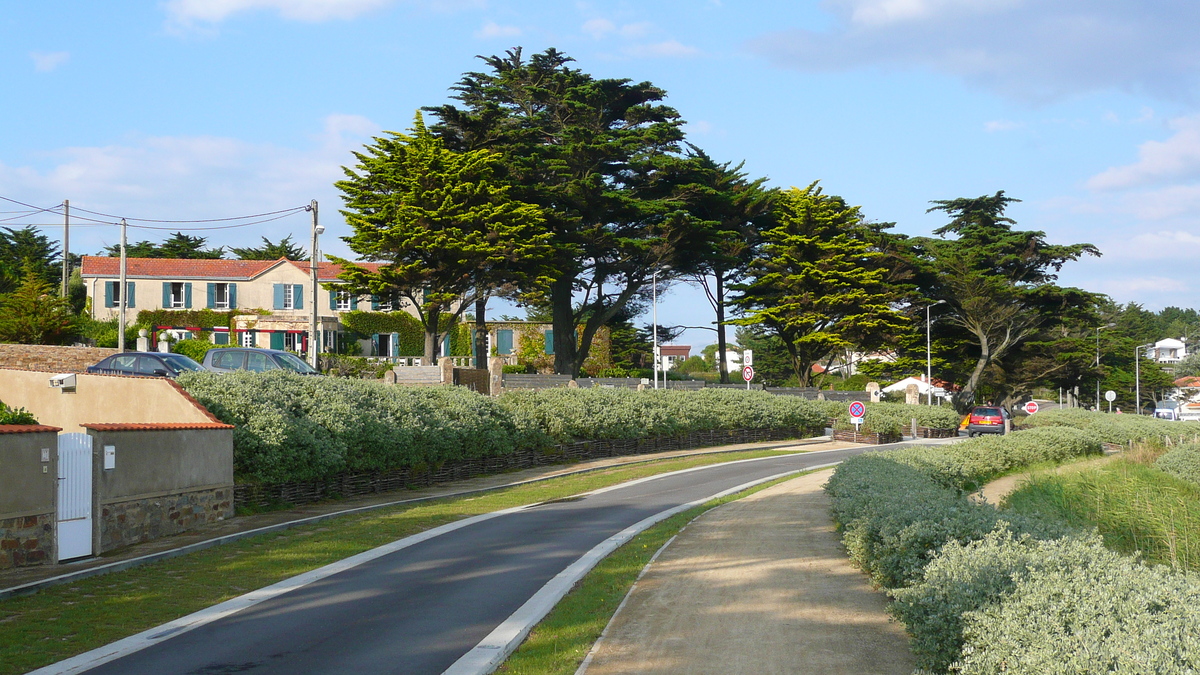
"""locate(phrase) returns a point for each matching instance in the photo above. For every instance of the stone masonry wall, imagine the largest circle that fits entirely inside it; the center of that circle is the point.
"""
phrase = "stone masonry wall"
(26, 540)
(131, 522)
(51, 359)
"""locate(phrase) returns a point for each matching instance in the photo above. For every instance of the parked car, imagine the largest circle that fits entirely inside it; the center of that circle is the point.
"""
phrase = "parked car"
(227, 360)
(987, 419)
(153, 364)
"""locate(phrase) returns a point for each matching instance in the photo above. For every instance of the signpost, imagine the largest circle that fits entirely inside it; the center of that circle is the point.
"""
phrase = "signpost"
(857, 410)
(1031, 407)
(1110, 396)
(747, 375)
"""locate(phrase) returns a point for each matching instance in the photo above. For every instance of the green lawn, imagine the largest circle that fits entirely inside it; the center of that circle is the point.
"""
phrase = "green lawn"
(62, 621)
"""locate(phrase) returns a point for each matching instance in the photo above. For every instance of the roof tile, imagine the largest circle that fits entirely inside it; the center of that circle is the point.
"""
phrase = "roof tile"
(187, 268)
(27, 429)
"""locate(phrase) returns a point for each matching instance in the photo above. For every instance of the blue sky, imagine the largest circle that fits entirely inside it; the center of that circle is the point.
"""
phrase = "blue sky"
(187, 109)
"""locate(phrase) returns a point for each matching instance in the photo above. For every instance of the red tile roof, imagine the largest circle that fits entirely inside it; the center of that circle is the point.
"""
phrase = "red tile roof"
(1193, 381)
(27, 429)
(156, 426)
(180, 268)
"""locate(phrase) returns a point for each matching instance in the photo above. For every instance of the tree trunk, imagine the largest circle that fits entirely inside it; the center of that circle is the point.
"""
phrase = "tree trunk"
(722, 366)
(434, 317)
(965, 399)
(562, 316)
(481, 355)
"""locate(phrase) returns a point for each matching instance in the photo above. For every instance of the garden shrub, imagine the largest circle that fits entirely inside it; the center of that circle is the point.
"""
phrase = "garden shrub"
(15, 415)
(893, 418)
(1182, 462)
(1114, 428)
(194, 349)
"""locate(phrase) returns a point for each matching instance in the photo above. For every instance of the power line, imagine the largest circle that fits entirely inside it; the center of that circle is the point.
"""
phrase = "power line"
(209, 220)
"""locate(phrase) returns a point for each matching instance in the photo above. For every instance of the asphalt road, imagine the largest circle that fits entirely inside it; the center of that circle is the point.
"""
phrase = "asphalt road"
(419, 609)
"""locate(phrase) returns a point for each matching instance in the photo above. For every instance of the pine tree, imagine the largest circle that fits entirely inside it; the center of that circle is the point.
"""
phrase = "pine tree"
(34, 313)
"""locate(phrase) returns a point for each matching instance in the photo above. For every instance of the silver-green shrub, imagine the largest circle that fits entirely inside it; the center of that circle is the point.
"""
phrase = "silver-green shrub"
(896, 417)
(1114, 428)
(1182, 462)
(1078, 608)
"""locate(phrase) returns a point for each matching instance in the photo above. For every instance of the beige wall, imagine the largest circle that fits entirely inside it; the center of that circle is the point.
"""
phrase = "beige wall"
(98, 399)
(154, 462)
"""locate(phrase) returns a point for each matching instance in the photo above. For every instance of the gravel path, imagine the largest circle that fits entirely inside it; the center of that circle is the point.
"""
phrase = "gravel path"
(761, 585)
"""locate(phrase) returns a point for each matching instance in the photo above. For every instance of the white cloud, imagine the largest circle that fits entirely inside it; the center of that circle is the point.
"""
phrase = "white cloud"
(1175, 158)
(666, 49)
(598, 28)
(491, 29)
(44, 62)
(1027, 49)
(636, 30)
(186, 12)
(995, 126)
(195, 177)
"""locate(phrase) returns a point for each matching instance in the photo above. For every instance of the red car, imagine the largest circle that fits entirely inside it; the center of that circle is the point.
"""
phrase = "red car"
(987, 419)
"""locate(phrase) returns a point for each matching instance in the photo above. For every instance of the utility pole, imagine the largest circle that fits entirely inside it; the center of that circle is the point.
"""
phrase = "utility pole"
(314, 338)
(66, 252)
(122, 294)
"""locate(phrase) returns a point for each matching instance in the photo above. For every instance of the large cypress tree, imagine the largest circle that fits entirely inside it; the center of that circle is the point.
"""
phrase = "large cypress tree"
(598, 156)
(442, 222)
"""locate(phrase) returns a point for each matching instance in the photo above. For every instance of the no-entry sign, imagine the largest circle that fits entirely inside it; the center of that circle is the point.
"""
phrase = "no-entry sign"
(748, 373)
(1031, 407)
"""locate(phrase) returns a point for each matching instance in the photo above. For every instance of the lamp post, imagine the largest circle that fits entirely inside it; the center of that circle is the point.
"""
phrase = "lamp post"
(654, 318)
(1098, 329)
(122, 289)
(314, 338)
(929, 353)
(1137, 375)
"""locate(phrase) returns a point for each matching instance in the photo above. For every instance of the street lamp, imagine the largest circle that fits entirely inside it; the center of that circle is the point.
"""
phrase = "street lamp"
(1137, 374)
(929, 354)
(1098, 329)
(654, 328)
(314, 338)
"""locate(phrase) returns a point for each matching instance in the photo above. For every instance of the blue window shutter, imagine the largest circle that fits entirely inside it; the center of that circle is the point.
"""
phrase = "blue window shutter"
(232, 296)
(278, 296)
(220, 338)
(109, 287)
(550, 342)
(333, 300)
(375, 344)
(276, 340)
(212, 296)
(504, 341)
(187, 295)
(354, 302)
(298, 296)
(166, 295)
(130, 298)
(395, 351)
(446, 345)
(374, 303)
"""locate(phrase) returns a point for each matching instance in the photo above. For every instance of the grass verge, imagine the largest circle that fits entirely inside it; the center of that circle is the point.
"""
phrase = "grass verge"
(1135, 507)
(66, 620)
(561, 641)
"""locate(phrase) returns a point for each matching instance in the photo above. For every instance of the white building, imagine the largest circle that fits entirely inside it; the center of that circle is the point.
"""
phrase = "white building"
(1169, 350)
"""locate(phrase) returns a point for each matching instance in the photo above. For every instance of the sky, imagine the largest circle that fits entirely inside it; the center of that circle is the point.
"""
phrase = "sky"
(1085, 110)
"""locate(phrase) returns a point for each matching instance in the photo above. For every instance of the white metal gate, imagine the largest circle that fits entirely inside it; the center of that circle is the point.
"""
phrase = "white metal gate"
(74, 496)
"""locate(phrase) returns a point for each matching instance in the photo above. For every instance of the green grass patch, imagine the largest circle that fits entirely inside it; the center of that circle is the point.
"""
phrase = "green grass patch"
(62, 621)
(1134, 507)
(561, 641)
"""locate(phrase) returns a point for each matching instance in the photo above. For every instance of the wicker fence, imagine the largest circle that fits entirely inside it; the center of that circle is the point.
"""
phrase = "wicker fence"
(357, 484)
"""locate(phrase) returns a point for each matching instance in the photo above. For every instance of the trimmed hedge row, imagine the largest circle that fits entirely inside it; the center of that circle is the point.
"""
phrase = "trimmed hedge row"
(895, 418)
(985, 591)
(295, 428)
(1113, 428)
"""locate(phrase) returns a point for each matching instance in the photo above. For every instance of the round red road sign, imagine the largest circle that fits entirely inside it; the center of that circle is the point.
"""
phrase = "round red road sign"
(748, 373)
(857, 409)
(1031, 407)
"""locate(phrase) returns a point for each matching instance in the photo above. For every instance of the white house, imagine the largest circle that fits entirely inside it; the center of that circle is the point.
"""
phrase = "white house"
(1169, 350)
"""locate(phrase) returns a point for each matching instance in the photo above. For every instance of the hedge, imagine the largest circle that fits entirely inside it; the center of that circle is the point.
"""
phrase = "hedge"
(290, 427)
(1183, 463)
(894, 418)
(1114, 428)
(985, 591)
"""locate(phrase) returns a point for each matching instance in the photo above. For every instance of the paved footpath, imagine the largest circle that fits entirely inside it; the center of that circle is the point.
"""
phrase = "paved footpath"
(761, 585)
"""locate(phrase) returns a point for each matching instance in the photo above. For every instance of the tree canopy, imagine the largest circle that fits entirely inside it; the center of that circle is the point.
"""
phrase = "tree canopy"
(27, 246)
(178, 245)
(34, 313)
(443, 223)
(284, 248)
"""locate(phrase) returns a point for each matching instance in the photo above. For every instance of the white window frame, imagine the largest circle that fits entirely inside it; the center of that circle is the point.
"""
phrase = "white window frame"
(176, 298)
(386, 303)
(218, 290)
(289, 296)
(246, 339)
(291, 342)
(342, 301)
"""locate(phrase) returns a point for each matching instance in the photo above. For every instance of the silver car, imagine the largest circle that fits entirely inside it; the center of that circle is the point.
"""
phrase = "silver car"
(227, 360)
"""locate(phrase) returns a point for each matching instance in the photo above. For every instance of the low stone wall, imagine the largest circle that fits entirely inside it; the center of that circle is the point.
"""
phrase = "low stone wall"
(124, 523)
(473, 379)
(26, 540)
(349, 485)
(52, 359)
